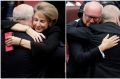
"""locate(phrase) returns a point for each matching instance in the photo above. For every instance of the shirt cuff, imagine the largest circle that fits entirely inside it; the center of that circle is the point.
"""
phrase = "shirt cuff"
(103, 55)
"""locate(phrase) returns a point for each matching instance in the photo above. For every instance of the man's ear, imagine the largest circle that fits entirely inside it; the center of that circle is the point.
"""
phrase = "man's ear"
(118, 20)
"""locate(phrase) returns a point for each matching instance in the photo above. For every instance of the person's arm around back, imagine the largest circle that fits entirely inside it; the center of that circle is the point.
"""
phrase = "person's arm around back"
(80, 56)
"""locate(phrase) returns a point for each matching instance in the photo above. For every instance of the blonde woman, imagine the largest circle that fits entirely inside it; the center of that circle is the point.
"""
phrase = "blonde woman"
(43, 21)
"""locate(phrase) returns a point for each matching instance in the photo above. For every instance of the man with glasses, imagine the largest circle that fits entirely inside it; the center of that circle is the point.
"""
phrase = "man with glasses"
(92, 18)
(81, 56)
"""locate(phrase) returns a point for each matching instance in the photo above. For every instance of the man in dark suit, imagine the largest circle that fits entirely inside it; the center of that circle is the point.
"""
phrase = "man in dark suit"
(81, 54)
(18, 63)
(75, 68)
(109, 66)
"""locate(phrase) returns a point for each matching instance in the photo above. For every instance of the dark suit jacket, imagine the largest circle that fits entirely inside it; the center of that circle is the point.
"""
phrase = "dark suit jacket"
(46, 52)
(80, 56)
(110, 66)
(17, 63)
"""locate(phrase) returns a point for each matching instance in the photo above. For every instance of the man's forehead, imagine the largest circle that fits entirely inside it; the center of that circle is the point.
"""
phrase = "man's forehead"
(93, 6)
(93, 12)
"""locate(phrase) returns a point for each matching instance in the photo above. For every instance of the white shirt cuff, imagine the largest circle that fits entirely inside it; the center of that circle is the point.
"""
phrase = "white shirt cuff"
(103, 55)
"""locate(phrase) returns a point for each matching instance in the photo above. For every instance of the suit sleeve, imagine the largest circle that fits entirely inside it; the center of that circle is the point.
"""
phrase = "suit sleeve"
(48, 46)
(81, 56)
(78, 33)
(7, 24)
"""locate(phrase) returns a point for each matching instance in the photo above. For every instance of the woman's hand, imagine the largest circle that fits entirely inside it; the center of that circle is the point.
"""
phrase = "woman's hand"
(108, 43)
(37, 37)
(12, 40)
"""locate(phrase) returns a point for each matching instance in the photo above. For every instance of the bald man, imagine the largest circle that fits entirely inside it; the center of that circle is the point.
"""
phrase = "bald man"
(81, 54)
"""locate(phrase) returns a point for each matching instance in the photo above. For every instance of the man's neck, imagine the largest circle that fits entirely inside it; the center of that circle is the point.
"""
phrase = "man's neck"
(25, 22)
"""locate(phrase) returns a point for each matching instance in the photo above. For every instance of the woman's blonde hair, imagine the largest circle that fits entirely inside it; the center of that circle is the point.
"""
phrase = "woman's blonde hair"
(49, 10)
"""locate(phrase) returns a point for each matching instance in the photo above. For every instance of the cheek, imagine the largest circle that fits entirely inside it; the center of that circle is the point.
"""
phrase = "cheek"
(35, 22)
(86, 21)
(34, 25)
(45, 25)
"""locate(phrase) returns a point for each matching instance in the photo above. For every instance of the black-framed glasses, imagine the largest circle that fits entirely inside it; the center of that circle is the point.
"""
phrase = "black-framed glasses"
(92, 17)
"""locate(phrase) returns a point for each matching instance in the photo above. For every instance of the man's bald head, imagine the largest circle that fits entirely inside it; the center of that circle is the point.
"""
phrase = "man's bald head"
(91, 10)
(93, 7)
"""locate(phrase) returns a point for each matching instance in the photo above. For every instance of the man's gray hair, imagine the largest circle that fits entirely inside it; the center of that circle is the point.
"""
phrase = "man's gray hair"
(110, 12)
(23, 12)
